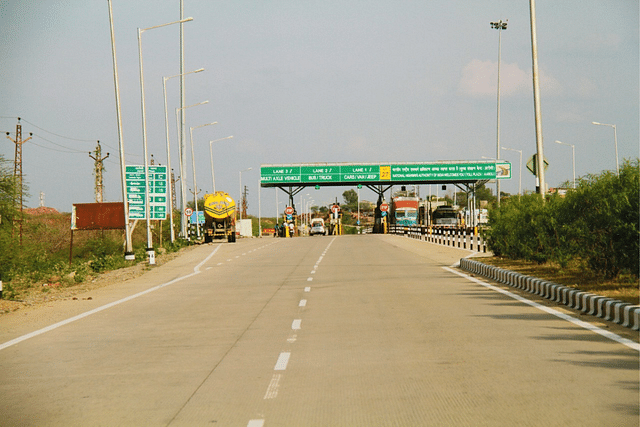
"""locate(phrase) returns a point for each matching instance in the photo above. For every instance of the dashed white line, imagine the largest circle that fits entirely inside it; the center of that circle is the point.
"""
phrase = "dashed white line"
(256, 423)
(296, 324)
(272, 390)
(307, 289)
(282, 362)
(303, 302)
(309, 279)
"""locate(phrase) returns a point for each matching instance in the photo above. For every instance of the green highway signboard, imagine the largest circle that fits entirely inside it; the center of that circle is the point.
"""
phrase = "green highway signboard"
(369, 173)
(134, 177)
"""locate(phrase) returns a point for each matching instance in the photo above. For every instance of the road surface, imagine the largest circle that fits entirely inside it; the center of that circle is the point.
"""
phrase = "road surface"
(322, 331)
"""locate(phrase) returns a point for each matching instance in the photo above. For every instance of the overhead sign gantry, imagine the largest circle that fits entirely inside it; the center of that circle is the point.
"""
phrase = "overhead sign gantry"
(379, 177)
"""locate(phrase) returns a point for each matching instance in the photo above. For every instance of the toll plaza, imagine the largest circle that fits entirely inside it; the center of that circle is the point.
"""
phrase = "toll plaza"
(381, 177)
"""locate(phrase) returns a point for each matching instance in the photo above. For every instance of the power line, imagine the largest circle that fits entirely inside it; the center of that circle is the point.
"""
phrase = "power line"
(60, 136)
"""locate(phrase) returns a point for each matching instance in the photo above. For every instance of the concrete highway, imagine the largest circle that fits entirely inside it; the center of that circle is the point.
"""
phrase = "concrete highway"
(323, 331)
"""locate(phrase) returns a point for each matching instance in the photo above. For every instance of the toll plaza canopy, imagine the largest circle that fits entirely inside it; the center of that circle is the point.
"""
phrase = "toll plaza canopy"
(385, 174)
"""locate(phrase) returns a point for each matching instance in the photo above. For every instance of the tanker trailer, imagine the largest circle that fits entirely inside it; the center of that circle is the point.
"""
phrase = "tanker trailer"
(219, 217)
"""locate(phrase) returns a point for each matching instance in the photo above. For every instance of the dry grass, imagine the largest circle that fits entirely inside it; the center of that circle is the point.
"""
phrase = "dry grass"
(624, 288)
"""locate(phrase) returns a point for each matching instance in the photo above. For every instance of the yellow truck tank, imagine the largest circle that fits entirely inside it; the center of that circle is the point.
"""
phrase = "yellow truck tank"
(219, 216)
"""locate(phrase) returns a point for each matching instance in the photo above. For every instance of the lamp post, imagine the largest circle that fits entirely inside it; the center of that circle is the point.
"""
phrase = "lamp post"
(498, 26)
(128, 250)
(166, 122)
(213, 178)
(193, 166)
(542, 184)
(520, 170)
(240, 199)
(615, 140)
(183, 169)
(573, 151)
(150, 251)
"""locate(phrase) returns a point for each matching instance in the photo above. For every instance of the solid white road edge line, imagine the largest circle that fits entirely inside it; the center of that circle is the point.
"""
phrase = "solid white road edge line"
(196, 270)
(582, 324)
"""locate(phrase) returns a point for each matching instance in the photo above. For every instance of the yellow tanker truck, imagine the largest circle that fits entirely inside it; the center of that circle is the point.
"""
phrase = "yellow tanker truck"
(219, 217)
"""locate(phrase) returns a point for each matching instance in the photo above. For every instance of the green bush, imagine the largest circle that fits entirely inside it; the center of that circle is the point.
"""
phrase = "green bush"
(596, 224)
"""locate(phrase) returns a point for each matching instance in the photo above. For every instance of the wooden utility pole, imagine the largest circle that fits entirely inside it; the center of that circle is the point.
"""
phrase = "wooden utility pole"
(99, 169)
(17, 171)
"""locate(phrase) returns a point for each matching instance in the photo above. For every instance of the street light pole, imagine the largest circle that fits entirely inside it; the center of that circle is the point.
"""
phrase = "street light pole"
(128, 250)
(213, 178)
(183, 170)
(499, 26)
(542, 185)
(573, 151)
(149, 249)
(193, 165)
(615, 140)
(166, 122)
(520, 170)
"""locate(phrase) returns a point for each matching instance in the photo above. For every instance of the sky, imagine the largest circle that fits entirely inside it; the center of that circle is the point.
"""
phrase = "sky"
(315, 81)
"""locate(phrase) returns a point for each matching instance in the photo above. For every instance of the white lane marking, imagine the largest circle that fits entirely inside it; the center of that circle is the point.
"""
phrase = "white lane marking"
(296, 324)
(229, 260)
(303, 303)
(292, 338)
(309, 279)
(196, 270)
(272, 390)
(219, 263)
(256, 423)
(307, 289)
(282, 362)
(582, 324)
(313, 272)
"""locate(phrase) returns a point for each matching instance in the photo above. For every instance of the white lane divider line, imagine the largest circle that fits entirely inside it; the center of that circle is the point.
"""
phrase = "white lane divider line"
(296, 324)
(292, 338)
(272, 390)
(307, 289)
(256, 423)
(309, 279)
(220, 263)
(196, 270)
(588, 326)
(303, 303)
(282, 362)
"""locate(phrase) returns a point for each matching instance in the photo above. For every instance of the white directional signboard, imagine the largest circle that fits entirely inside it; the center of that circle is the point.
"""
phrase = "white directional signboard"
(157, 192)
